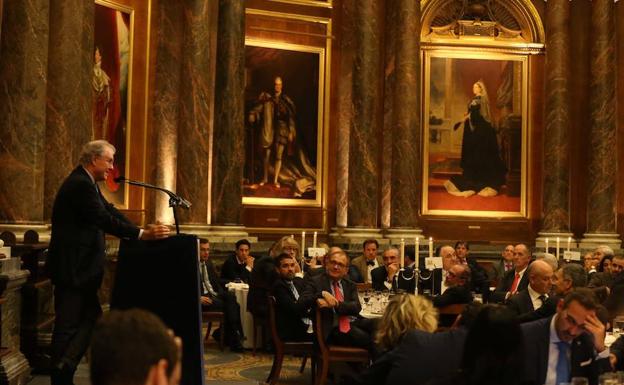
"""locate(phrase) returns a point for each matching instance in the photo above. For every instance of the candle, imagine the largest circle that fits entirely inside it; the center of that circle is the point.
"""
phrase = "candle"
(569, 241)
(402, 253)
(303, 244)
(416, 250)
(314, 240)
(546, 245)
(557, 248)
(430, 247)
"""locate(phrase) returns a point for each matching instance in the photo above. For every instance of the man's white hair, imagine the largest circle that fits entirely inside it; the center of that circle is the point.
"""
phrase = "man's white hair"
(93, 149)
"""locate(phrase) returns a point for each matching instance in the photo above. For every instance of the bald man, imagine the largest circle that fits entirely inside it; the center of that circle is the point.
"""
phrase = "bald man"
(535, 295)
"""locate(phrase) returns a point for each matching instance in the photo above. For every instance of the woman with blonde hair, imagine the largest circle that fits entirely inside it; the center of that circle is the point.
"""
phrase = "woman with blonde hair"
(404, 313)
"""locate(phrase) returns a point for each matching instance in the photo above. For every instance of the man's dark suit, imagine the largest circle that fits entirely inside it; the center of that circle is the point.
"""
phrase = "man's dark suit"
(521, 303)
(290, 311)
(536, 349)
(359, 335)
(233, 270)
(453, 295)
(380, 274)
(80, 218)
(224, 301)
(433, 283)
(498, 296)
(417, 359)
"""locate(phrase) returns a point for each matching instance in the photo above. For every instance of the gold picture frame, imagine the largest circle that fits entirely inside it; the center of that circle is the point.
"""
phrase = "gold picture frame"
(302, 143)
(313, 3)
(475, 130)
(112, 90)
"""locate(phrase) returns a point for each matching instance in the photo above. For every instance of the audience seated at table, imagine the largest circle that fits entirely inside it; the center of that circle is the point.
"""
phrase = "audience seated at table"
(479, 282)
(238, 267)
(353, 274)
(526, 301)
(493, 351)
(457, 292)
(615, 301)
(338, 299)
(368, 261)
(384, 276)
(215, 298)
(292, 317)
(421, 355)
(503, 265)
(433, 282)
(568, 344)
(603, 276)
(516, 279)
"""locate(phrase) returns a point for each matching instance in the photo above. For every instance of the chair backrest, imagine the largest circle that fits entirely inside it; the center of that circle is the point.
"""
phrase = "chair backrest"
(364, 286)
(318, 331)
(277, 341)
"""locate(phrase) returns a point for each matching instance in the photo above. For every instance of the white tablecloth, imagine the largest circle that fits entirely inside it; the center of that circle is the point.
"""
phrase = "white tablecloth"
(240, 291)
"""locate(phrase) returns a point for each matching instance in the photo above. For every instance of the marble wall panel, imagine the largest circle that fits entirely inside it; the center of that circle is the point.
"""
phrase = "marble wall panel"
(196, 108)
(229, 138)
(556, 215)
(23, 76)
(603, 155)
(363, 193)
(406, 131)
(68, 117)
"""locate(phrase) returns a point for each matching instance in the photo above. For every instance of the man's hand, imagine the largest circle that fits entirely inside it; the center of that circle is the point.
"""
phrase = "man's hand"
(322, 303)
(329, 298)
(155, 231)
(392, 270)
(205, 300)
(250, 261)
(597, 329)
(613, 360)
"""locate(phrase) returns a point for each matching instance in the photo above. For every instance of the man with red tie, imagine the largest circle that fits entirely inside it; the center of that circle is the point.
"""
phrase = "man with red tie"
(337, 296)
(514, 280)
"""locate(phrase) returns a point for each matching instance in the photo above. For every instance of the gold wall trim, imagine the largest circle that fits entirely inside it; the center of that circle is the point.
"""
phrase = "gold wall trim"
(312, 3)
(291, 16)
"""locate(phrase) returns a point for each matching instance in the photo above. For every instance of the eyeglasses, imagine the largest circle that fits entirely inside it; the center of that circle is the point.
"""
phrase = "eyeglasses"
(337, 264)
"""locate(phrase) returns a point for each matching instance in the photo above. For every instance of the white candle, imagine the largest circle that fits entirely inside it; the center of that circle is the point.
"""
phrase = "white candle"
(557, 248)
(546, 245)
(569, 241)
(303, 248)
(416, 249)
(314, 240)
(430, 247)
(402, 253)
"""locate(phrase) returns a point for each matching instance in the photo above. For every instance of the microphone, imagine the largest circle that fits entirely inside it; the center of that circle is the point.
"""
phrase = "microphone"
(174, 200)
(119, 179)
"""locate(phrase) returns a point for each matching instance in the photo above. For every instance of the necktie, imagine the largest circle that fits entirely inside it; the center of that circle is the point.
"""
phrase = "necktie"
(343, 321)
(514, 285)
(206, 281)
(508, 266)
(542, 298)
(370, 263)
(293, 289)
(563, 363)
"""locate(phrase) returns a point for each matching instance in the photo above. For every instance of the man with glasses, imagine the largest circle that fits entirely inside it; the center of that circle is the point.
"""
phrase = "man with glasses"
(615, 301)
(568, 344)
(338, 300)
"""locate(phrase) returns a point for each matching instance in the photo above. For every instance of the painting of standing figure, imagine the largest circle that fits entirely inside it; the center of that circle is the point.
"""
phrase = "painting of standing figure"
(284, 94)
(475, 134)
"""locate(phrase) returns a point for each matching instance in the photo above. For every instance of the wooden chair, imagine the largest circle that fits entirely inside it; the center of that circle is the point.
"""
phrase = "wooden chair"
(328, 353)
(214, 316)
(283, 347)
(258, 323)
(364, 286)
(451, 310)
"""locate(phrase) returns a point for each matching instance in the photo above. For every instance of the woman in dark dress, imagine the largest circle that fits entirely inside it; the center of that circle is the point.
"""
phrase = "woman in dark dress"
(483, 169)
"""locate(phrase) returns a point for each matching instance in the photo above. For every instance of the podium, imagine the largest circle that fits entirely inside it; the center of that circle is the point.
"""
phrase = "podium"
(162, 277)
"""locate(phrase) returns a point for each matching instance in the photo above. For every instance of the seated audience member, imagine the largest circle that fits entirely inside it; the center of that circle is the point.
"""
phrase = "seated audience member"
(405, 281)
(537, 292)
(338, 299)
(516, 279)
(479, 282)
(567, 278)
(458, 287)
(405, 312)
(261, 280)
(592, 260)
(549, 259)
(421, 356)
(134, 347)
(616, 356)
(615, 301)
(291, 317)
(603, 277)
(493, 352)
(435, 284)
(504, 265)
(568, 344)
(238, 266)
(368, 261)
(384, 277)
(215, 298)
(353, 274)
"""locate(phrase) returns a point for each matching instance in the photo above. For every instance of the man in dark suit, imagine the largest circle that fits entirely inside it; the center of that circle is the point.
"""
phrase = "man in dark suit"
(458, 291)
(239, 266)
(615, 301)
(292, 318)
(479, 282)
(434, 281)
(535, 295)
(504, 265)
(80, 218)
(515, 280)
(215, 298)
(569, 344)
(367, 262)
(338, 299)
(384, 277)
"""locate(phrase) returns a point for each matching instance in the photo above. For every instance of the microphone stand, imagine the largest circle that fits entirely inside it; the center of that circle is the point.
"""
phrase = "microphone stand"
(175, 201)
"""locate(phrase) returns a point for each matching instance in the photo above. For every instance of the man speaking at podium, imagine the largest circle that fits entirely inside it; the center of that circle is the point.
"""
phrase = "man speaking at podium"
(80, 218)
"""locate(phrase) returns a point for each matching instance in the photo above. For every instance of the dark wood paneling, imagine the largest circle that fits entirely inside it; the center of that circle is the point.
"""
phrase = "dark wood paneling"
(619, 15)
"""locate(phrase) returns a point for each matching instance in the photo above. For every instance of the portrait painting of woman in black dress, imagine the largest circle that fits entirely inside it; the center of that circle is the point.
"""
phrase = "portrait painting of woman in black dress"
(483, 170)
